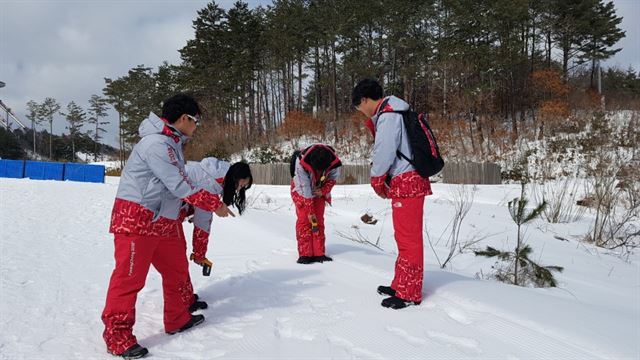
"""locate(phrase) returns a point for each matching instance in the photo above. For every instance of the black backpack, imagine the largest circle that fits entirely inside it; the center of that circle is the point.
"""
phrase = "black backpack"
(426, 156)
(292, 163)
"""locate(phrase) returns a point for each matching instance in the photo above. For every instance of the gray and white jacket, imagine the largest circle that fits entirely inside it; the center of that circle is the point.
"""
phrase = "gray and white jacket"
(390, 135)
(154, 173)
(209, 175)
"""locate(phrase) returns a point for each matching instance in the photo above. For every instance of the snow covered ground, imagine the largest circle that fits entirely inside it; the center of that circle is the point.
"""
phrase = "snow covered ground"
(56, 258)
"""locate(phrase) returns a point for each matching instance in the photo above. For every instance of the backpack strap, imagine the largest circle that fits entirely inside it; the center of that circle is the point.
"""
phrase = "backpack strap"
(404, 113)
(399, 153)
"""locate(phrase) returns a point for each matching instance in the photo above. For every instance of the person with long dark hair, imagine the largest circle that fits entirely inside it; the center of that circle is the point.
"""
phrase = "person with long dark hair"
(224, 185)
(314, 172)
(224, 180)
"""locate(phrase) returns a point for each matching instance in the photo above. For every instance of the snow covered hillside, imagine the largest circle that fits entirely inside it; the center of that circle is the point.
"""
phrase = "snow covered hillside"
(56, 257)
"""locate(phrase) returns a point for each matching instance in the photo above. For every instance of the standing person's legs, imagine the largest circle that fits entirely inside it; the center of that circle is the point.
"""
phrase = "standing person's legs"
(409, 269)
(133, 254)
(318, 237)
(170, 259)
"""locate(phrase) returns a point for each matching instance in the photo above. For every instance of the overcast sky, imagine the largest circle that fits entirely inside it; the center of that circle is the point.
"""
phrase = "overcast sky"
(64, 49)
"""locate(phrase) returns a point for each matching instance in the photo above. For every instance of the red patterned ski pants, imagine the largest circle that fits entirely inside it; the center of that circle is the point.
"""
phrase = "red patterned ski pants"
(134, 254)
(310, 243)
(407, 224)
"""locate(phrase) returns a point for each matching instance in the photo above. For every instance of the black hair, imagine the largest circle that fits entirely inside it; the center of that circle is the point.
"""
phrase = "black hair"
(231, 196)
(319, 158)
(366, 88)
(177, 105)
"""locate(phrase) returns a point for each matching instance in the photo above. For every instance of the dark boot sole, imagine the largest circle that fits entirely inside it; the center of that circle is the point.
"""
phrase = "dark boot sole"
(386, 292)
(143, 353)
(198, 305)
(398, 304)
(187, 328)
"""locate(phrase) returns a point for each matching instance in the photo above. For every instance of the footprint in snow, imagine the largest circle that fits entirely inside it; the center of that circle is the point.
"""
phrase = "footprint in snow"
(462, 343)
(413, 340)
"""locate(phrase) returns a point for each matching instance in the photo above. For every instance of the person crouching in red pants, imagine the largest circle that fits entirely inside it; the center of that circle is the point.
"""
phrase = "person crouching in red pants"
(314, 171)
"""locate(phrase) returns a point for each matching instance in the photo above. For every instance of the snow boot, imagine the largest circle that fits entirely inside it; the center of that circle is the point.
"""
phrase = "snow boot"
(194, 321)
(397, 303)
(386, 290)
(134, 352)
(321, 259)
(197, 305)
(305, 260)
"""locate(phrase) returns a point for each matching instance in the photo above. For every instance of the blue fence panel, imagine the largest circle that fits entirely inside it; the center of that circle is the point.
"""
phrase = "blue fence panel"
(12, 169)
(84, 173)
(39, 170)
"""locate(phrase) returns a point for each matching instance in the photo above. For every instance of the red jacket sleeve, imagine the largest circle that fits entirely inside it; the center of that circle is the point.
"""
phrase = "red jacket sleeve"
(204, 200)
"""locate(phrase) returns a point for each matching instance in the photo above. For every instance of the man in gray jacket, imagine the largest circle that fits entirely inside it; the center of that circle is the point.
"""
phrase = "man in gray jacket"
(143, 237)
(393, 177)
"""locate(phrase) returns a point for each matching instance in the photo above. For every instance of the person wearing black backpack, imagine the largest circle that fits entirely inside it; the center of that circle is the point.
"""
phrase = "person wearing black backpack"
(395, 176)
(314, 172)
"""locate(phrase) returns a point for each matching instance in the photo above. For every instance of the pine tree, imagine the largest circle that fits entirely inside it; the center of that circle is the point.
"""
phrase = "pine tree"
(571, 21)
(48, 109)
(115, 92)
(33, 114)
(524, 269)
(76, 118)
(97, 110)
(601, 35)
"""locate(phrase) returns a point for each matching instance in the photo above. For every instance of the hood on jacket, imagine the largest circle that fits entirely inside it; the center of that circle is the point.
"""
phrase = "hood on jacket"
(391, 103)
(155, 125)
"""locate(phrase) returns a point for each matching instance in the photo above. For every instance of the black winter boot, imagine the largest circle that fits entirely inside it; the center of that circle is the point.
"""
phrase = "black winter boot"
(386, 290)
(305, 260)
(194, 321)
(197, 305)
(396, 303)
(134, 352)
(322, 258)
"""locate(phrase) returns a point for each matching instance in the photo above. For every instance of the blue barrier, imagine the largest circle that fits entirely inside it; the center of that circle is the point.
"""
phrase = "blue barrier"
(12, 169)
(84, 173)
(40, 170)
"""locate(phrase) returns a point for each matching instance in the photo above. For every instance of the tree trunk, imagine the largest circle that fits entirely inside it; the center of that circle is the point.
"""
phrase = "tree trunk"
(121, 141)
(533, 48)
(300, 83)
(593, 71)
(51, 139)
(334, 81)
(515, 273)
(95, 145)
(566, 48)
(33, 128)
(266, 106)
(317, 79)
(549, 49)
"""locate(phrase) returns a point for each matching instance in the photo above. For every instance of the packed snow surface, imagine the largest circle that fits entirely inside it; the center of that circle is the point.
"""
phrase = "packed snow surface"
(56, 257)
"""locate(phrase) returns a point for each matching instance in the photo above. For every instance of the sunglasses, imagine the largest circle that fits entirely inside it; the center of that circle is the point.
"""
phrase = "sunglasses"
(196, 119)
